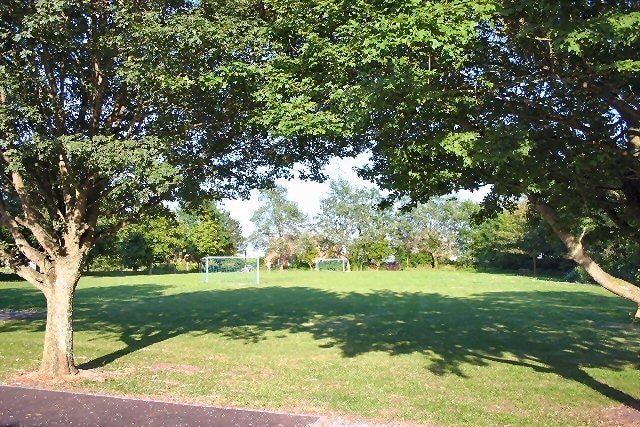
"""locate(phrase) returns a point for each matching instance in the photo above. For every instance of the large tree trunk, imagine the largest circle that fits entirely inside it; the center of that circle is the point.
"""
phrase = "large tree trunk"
(53, 265)
(57, 357)
(576, 253)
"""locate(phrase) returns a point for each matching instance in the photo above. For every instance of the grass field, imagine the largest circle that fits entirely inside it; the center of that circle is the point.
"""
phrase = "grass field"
(430, 347)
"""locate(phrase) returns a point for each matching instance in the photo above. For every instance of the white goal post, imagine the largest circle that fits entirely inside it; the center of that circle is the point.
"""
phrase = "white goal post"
(231, 264)
(340, 263)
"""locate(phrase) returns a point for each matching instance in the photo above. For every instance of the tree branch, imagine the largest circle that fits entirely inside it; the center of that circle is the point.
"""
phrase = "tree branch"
(33, 219)
(55, 91)
(576, 253)
(67, 185)
(45, 188)
(29, 274)
(21, 242)
(630, 114)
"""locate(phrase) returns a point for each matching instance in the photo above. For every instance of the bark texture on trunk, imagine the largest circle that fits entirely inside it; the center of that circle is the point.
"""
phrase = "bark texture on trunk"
(576, 253)
(57, 357)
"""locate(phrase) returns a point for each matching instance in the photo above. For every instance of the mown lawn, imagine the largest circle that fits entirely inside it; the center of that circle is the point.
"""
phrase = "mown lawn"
(427, 347)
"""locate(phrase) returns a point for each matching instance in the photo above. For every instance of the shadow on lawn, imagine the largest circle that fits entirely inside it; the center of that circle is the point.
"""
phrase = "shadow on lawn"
(556, 332)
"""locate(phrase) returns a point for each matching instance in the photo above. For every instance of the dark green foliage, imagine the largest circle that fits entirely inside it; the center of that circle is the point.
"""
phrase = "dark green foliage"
(211, 231)
(620, 256)
(517, 240)
(333, 265)
(535, 98)
(167, 239)
(228, 265)
(135, 251)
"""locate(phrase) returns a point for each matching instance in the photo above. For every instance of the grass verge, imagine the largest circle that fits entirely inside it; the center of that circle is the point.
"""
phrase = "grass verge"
(429, 347)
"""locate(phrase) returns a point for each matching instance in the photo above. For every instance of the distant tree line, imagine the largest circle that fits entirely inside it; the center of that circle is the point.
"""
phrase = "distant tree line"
(355, 223)
(170, 240)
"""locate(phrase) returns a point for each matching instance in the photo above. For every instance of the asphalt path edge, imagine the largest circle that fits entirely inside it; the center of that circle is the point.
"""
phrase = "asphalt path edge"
(26, 406)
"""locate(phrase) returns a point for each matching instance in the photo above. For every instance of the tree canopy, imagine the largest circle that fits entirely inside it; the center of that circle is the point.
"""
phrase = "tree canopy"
(107, 109)
(517, 240)
(348, 214)
(537, 99)
(212, 231)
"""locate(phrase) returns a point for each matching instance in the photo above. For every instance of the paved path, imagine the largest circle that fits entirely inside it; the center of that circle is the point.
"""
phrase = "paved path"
(33, 407)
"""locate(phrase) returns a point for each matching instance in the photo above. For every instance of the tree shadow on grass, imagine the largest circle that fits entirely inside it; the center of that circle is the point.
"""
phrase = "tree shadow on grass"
(548, 331)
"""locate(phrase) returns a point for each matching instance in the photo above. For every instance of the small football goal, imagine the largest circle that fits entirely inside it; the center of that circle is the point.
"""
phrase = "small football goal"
(231, 269)
(331, 264)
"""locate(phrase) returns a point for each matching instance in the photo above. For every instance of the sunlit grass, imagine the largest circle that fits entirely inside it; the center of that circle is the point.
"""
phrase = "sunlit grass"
(443, 348)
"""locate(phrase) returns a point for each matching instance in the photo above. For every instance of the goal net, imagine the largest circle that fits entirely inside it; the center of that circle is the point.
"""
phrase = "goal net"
(231, 269)
(331, 264)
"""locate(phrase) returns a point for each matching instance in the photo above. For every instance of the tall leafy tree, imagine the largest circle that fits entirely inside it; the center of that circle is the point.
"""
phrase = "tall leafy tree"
(156, 239)
(213, 232)
(370, 249)
(307, 249)
(534, 98)
(279, 222)
(349, 213)
(514, 239)
(136, 250)
(108, 108)
(438, 227)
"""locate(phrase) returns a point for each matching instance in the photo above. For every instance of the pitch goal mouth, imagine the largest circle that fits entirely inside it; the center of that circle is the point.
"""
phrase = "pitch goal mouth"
(242, 267)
